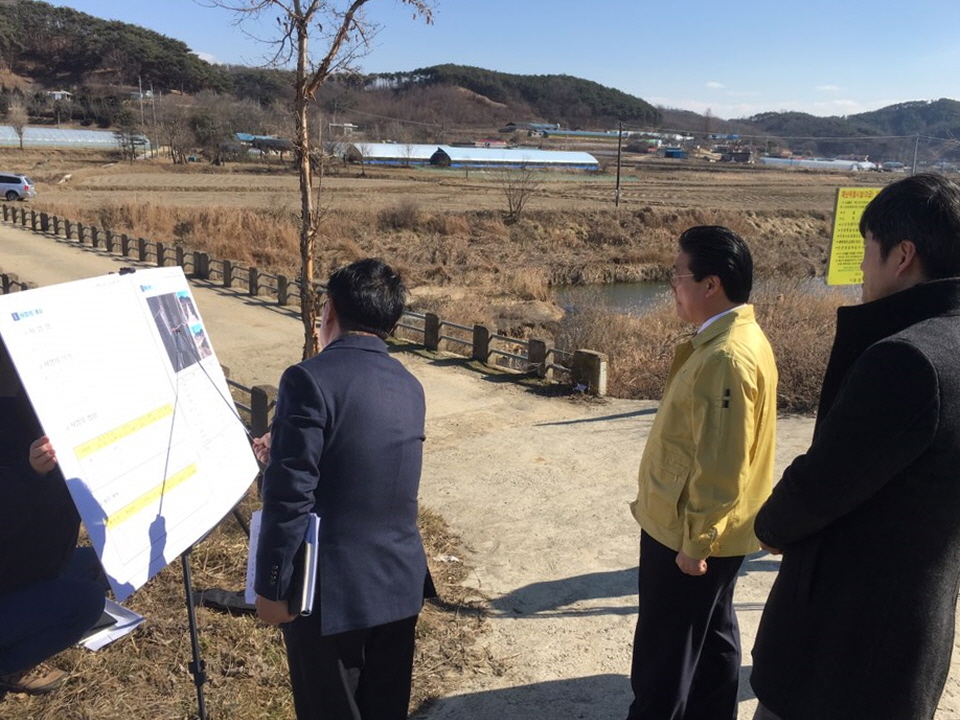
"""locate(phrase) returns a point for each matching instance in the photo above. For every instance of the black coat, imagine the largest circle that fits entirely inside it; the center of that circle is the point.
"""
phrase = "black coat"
(860, 620)
(347, 444)
(39, 523)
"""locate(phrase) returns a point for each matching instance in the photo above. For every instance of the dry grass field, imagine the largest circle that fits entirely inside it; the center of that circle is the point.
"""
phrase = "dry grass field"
(446, 230)
(645, 181)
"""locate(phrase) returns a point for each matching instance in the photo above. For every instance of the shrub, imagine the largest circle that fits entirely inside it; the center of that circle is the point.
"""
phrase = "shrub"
(403, 216)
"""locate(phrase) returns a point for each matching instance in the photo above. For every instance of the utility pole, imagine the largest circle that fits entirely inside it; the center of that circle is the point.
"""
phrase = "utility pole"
(916, 147)
(140, 94)
(156, 136)
(616, 200)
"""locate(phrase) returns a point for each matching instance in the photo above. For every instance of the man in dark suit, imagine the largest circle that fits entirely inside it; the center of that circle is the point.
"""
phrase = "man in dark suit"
(347, 444)
(860, 621)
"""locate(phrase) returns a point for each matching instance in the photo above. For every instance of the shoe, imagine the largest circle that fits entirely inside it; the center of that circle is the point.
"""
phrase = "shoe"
(38, 680)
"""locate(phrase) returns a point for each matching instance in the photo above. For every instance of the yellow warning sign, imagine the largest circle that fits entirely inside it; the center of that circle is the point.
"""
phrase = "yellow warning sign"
(846, 243)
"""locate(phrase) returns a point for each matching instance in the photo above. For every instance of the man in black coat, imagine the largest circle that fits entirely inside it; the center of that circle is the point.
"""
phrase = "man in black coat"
(347, 444)
(860, 621)
(51, 592)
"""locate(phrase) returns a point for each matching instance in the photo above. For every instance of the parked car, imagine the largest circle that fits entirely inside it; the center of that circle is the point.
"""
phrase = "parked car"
(14, 186)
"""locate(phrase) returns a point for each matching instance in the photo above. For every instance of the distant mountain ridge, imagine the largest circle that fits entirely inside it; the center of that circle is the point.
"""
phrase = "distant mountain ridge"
(58, 48)
(553, 97)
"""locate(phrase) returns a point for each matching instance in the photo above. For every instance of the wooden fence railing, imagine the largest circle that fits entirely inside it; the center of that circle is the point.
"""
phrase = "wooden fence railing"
(583, 368)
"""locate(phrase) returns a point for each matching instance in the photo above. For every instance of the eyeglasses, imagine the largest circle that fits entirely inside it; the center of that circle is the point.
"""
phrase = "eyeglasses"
(675, 276)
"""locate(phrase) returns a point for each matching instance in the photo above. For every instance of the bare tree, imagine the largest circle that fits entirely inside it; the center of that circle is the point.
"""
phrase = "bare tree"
(173, 128)
(17, 118)
(127, 134)
(518, 186)
(347, 35)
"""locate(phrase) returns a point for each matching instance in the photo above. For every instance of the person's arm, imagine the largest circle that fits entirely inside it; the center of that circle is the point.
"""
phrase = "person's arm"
(289, 484)
(884, 417)
(724, 406)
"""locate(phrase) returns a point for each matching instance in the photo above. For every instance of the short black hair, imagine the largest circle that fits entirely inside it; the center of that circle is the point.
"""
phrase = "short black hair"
(717, 250)
(368, 296)
(924, 209)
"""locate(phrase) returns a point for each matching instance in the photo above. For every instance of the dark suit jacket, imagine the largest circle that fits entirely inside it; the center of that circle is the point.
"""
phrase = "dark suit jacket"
(859, 623)
(347, 444)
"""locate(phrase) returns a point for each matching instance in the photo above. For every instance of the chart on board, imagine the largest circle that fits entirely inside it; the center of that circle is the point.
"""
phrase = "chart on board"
(125, 381)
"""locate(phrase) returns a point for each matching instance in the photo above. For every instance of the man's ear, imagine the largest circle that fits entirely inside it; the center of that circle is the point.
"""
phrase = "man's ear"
(713, 285)
(907, 259)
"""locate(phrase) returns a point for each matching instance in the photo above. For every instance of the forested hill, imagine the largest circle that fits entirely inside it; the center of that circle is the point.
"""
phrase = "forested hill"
(43, 47)
(59, 46)
(939, 118)
(556, 98)
(865, 133)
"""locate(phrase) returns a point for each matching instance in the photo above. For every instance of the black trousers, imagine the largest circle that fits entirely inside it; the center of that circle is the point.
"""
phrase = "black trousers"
(356, 675)
(686, 650)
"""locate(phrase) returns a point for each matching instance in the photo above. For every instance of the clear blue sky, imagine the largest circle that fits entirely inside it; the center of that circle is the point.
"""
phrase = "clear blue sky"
(735, 57)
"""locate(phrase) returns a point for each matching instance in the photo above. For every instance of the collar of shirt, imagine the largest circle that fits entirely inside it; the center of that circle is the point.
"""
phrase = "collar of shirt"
(716, 317)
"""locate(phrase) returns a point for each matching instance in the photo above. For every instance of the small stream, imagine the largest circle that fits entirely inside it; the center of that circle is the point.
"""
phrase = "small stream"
(639, 298)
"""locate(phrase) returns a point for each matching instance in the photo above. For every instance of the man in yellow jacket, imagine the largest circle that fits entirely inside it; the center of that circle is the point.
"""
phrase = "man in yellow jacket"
(707, 468)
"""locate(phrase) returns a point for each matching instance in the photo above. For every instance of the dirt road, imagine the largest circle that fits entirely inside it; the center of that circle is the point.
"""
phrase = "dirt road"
(538, 489)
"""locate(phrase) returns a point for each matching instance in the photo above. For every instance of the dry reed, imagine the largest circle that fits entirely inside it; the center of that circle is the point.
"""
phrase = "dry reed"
(501, 276)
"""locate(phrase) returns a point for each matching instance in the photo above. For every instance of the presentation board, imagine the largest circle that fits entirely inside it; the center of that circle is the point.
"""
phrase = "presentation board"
(124, 379)
(846, 243)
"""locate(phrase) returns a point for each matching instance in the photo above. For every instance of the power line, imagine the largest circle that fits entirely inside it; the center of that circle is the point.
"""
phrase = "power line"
(912, 136)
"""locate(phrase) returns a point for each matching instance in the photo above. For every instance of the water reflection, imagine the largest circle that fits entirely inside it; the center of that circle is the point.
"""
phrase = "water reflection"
(639, 298)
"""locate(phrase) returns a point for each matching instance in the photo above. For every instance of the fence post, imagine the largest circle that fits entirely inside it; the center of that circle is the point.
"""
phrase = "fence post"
(124, 244)
(80, 232)
(262, 398)
(253, 283)
(431, 331)
(142, 249)
(538, 352)
(481, 343)
(161, 254)
(56, 225)
(6, 212)
(23, 218)
(181, 256)
(589, 369)
(34, 220)
(68, 229)
(44, 222)
(201, 264)
(109, 240)
(283, 290)
(95, 236)
(227, 273)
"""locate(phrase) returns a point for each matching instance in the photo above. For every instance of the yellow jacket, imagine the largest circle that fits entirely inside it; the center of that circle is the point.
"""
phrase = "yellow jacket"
(708, 463)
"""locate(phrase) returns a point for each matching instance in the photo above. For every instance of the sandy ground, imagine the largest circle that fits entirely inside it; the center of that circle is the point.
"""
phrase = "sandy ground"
(537, 487)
